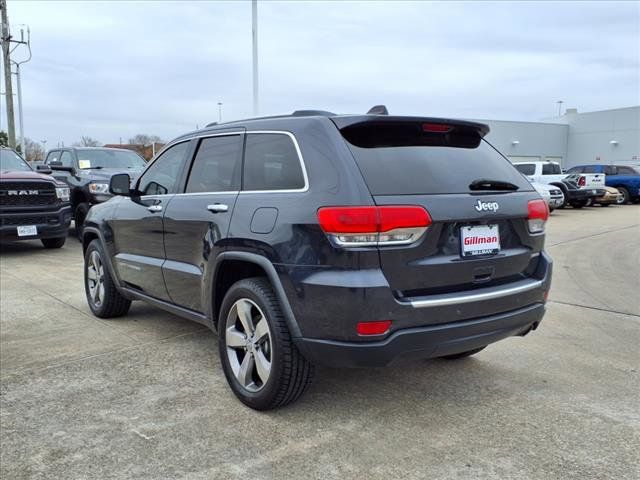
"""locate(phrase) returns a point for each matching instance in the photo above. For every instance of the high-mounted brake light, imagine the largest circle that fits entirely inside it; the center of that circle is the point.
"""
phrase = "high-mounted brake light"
(371, 226)
(538, 215)
(373, 328)
(436, 128)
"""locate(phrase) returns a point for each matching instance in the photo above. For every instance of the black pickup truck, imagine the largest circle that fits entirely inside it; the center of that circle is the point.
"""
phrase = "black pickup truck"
(87, 172)
(33, 205)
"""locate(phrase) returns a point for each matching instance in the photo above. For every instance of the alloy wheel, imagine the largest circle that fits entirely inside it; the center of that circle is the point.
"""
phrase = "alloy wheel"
(248, 344)
(95, 278)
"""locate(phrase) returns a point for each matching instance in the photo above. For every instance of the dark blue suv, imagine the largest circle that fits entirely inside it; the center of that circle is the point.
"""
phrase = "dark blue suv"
(313, 238)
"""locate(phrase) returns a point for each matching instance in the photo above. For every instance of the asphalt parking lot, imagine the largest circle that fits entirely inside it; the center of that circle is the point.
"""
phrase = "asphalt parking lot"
(143, 396)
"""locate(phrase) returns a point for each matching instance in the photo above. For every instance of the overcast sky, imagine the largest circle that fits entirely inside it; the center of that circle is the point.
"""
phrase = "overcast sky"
(111, 70)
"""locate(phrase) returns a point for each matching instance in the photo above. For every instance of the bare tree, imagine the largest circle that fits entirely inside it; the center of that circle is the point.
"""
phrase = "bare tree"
(87, 142)
(34, 151)
(145, 139)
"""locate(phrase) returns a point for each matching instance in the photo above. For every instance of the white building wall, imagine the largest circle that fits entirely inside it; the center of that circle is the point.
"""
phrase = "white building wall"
(520, 141)
(591, 134)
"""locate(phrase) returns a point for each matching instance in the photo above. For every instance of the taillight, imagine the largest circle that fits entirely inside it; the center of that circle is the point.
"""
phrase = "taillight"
(373, 328)
(582, 181)
(374, 226)
(538, 215)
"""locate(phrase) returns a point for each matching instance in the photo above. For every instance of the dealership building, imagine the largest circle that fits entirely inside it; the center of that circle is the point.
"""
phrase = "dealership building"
(607, 136)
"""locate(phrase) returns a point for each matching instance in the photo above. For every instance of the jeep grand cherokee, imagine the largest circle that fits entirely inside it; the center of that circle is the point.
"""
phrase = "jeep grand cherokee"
(314, 238)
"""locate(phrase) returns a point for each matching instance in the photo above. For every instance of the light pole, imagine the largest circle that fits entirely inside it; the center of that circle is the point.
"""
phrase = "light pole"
(559, 102)
(219, 112)
(254, 32)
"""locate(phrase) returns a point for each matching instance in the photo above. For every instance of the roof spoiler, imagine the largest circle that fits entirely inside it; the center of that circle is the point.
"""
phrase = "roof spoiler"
(458, 125)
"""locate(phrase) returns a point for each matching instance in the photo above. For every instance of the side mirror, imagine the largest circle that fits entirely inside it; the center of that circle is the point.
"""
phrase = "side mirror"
(120, 184)
(43, 169)
(57, 165)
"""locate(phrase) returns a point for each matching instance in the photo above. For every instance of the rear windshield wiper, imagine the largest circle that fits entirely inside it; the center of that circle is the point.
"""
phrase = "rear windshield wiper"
(487, 184)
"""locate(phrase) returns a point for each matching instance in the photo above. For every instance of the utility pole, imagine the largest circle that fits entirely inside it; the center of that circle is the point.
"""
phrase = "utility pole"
(254, 30)
(559, 102)
(5, 39)
(19, 84)
(219, 112)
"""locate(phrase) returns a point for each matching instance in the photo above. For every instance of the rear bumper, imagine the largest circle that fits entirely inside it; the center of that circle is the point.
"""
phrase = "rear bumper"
(52, 223)
(424, 342)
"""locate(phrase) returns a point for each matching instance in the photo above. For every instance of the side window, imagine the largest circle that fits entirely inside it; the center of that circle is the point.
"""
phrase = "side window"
(162, 175)
(624, 171)
(271, 162)
(576, 170)
(551, 169)
(590, 169)
(66, 159)
(53, 156)
(526, 168)
(216, 167)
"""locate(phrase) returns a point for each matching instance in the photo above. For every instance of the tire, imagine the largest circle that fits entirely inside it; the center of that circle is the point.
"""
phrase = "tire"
(624, 199)
(78, 218)
(605, 204)
(457, 356)
(288, 374)
(579, 204)
(106, 302)
(53, 242)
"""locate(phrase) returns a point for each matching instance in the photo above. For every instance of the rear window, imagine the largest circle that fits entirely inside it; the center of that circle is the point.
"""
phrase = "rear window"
(526, 168)
(551, 169)
(406, 161)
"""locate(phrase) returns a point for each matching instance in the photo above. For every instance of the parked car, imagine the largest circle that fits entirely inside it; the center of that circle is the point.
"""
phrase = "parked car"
(551, 194)
(87, 171)
(611, 196)
(551, 173)
(625, 178)
(579, 197)
(32, 205)
(313, 238)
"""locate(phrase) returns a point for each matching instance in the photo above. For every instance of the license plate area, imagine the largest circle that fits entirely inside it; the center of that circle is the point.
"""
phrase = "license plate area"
(27, 230)
(478, 240)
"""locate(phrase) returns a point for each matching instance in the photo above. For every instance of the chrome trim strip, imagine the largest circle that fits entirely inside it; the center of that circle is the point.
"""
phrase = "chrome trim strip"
(477, 296)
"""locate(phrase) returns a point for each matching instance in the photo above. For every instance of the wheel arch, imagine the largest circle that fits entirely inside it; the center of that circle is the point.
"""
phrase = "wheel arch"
(234, 266)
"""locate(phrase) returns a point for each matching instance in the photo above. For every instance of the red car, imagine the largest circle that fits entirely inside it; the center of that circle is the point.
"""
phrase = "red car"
(33, 205)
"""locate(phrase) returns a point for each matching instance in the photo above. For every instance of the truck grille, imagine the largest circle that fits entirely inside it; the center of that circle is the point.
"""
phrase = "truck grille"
(27, 194)
(29, 220)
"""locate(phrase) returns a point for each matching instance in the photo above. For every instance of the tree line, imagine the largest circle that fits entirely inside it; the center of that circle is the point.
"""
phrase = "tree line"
(35, 151)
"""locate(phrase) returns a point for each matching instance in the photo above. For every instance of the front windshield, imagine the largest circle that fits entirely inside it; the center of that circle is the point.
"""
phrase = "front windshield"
(109, 159)
(10, 160)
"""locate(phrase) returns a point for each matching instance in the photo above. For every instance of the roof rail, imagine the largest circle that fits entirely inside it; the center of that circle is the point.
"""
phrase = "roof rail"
(378, 110)
(312, 113)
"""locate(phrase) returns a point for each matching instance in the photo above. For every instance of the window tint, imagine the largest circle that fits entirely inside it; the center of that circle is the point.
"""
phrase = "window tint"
(551, 169)
(216, 167)
(591, 169)
(162, 175)
(53, 156)
(67, 159)
(610, 170)
(271, 162)
(622, 170)
(576, 170)
(526, 168)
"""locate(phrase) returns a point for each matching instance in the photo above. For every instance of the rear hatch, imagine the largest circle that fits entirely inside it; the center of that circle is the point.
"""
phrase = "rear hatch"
(478, 203)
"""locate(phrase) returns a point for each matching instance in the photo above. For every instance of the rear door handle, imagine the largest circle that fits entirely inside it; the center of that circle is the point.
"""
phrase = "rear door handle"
(154, 208)
(218, 207)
